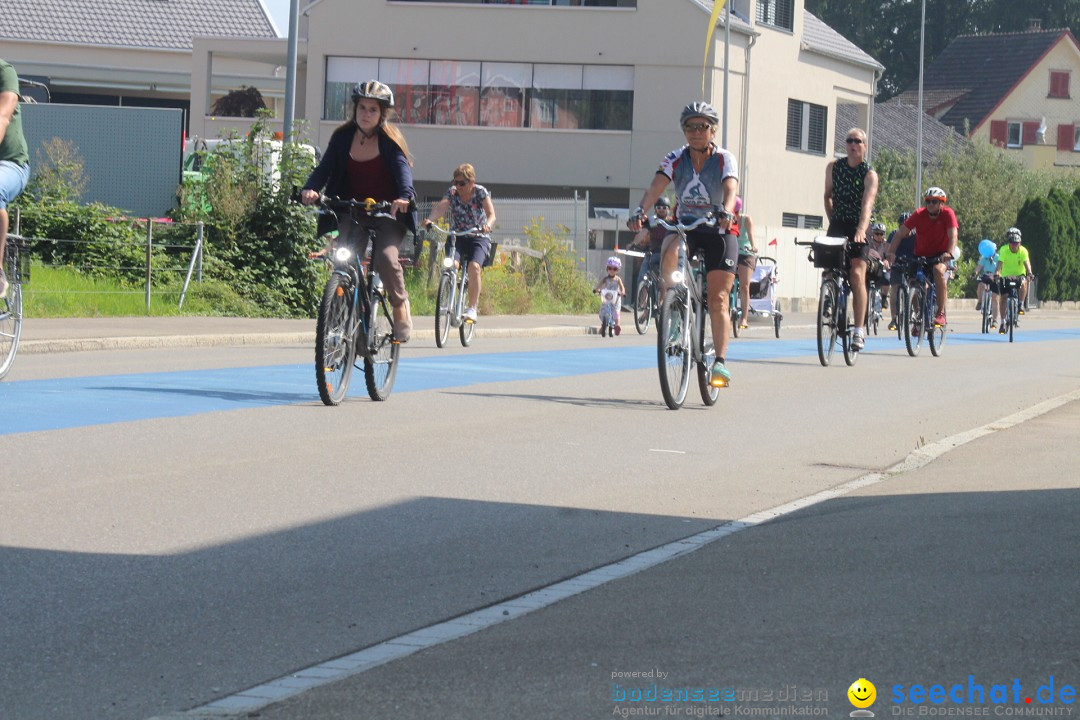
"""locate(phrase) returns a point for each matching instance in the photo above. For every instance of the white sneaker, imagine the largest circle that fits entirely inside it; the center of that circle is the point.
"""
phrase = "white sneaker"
(470, 315)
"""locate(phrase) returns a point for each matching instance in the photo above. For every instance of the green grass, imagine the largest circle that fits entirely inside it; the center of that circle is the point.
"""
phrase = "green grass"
(64, 292)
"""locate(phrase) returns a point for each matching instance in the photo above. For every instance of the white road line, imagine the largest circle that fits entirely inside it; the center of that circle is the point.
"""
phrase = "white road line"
(661, 450)
(402, 646)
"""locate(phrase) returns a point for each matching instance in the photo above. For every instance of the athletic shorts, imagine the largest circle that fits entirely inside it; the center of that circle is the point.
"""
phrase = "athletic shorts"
(469, 248)
(721, 252)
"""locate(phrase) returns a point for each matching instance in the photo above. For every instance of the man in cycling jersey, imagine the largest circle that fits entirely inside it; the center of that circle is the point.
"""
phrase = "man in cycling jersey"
(651, 237)
(706, 181)
(1013, 262)
(936, 238)
(851, 186)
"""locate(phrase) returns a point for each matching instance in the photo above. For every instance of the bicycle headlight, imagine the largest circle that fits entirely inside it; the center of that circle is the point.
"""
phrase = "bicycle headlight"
(677, 277)
(448, 262)
(342, 254)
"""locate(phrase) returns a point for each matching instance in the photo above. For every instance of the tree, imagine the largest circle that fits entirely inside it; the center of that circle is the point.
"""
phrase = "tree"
(245, 102)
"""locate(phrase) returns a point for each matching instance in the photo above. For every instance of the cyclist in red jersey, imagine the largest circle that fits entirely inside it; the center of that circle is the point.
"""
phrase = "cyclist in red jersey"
(935, 229)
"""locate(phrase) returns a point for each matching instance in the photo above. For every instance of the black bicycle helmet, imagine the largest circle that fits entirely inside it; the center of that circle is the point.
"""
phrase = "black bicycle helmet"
(374, 90)
(662, 202)
(1013, 235)
(699, 110)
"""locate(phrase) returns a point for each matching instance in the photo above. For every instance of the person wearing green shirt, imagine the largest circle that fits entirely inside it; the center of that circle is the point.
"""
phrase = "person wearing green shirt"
(14, 157)
(1013, 261)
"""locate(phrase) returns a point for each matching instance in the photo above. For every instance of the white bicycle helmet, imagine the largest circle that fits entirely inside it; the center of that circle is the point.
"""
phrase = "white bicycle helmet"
(877, 227)
(374, 90)
(614, 262)
(936, 192)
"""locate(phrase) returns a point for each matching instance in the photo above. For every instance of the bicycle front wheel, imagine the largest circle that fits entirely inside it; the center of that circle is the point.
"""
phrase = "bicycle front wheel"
(986, 311)
(828, 300)
(706, 358)
(11, 309)
(673, 347)
(936, 335)
(466, 330)
(643, 305)
(381, 358)
(913, 321)
(847, 336)
(735, 310)
(1014, 307)
(335, 346)
(444, 309)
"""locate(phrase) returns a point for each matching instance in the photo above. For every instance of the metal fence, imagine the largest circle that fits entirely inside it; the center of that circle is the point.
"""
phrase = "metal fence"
(164, 247)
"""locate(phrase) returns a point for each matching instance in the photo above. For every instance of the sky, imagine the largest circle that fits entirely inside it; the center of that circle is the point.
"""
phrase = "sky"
(279, 10)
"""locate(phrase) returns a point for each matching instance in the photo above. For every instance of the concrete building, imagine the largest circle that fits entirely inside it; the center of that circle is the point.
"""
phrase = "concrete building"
(549, 98)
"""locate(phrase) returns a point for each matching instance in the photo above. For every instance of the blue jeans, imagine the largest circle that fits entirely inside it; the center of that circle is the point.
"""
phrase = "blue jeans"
(13, 179)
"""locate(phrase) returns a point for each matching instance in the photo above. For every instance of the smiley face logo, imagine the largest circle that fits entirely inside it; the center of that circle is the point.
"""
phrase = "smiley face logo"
(862, 693)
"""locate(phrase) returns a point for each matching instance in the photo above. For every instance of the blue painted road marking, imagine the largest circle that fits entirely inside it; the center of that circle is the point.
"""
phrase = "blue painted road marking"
(60, 403)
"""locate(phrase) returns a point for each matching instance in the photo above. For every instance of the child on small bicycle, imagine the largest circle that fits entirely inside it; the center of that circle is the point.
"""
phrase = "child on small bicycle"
(611, 290)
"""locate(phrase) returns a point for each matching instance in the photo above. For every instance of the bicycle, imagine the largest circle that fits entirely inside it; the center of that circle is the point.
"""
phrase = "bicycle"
(1011, 318)
(646, 303)
(683, 326)
(735, 306)
(918, 305)
(453, 291)
(11, 307)
(874, 306)
(989, 298)
(355, 318)
(831, 255)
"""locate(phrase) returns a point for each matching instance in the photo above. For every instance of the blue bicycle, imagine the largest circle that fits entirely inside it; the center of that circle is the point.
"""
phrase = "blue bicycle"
(918, 302)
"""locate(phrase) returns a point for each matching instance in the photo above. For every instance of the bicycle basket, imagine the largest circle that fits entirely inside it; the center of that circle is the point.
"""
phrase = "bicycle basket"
(829, 252)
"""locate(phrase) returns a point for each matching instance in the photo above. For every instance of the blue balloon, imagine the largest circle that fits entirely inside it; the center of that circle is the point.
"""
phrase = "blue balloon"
(987, 248)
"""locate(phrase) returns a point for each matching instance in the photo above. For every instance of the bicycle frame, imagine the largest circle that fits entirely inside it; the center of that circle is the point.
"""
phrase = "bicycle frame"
(11, 308)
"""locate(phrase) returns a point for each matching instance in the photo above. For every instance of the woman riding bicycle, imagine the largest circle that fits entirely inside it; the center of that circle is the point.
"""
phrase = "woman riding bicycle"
(706, 179)
(470, 207)
(367, 157)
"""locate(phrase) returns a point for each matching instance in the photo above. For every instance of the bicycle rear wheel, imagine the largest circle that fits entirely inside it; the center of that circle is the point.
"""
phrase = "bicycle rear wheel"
(444, 309)
(913, 321)
(380, 360)
(335, 347)
(828, 299)
(673, 347)
(11, 313)
(875, 312)
(643, 305)
(707, 349)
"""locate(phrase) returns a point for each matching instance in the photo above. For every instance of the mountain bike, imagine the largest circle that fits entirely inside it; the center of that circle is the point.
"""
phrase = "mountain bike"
(1011, 318)
(684, 330)
(11, 307)
(646, 303)
(355, 317)
(453, 292)
(989, 298)
(831, 255)
(918, 308)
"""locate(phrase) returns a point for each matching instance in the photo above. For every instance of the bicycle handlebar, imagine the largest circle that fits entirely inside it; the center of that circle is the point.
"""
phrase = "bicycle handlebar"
(709, 220)
(455, 233)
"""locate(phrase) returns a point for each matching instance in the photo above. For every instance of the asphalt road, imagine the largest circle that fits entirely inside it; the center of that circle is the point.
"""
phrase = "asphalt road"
(190, 523)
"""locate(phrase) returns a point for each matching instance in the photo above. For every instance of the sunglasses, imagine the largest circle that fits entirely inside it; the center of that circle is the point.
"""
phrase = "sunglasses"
(933, 201)
(696, 127)
(880, 233)
(461, 183)
(854, 141)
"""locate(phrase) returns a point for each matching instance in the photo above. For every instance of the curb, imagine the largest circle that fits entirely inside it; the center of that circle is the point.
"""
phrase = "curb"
(33, 347)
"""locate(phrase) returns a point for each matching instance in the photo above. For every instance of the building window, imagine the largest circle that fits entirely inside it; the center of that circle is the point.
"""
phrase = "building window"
(779, 13)
(1076, 138)
(806, 127)
(1014, 139)
(1059, 84)
(448, 92)
(795, 220)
